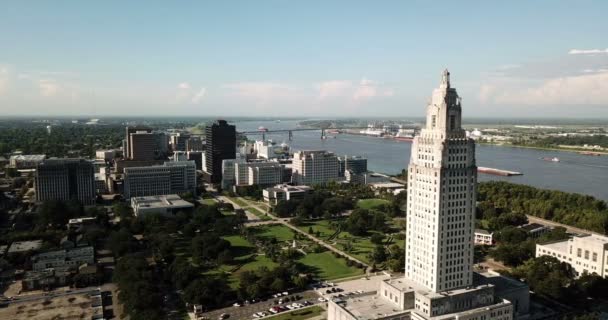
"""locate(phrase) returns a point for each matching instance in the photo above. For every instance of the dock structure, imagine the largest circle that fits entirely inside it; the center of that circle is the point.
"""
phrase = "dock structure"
(498, 172)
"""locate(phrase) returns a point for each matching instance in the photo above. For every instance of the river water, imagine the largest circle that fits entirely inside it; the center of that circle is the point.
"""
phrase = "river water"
(574, 173)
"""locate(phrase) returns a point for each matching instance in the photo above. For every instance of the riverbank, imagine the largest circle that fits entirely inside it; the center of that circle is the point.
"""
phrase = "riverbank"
(573, 150)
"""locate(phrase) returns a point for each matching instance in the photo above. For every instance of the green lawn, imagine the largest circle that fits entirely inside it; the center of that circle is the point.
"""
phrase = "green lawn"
(259, 214)
(371, 203)
(239, 201)
(322, 226)
(301, 314)
(245, 259)
(209, 201)
(280, 232)
(327, 267)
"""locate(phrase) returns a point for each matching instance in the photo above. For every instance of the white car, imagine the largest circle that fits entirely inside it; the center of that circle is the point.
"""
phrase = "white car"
(236, 304)
(273, 311)
(290, 307)
(285, 293)
(322, 299)
(262, 314)
(255, 315)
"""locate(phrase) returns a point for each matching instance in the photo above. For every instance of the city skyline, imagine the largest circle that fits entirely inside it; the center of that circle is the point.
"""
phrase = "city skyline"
(314, 60)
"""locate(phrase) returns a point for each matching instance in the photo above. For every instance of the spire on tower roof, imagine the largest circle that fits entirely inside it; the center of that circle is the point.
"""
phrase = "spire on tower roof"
(445, 79)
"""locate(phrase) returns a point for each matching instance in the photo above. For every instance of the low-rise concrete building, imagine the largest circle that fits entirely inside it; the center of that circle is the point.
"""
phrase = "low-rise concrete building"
(69, 258)
(285, 192)
(165, 204)
(26, 161)
(535, 230)
(585, 253)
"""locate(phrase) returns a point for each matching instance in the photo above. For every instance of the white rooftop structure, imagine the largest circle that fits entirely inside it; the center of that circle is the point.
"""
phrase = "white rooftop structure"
(165, 204)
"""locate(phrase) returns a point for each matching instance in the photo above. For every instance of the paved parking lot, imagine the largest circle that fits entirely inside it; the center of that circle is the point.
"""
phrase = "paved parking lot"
(247, 311)
(365, 284)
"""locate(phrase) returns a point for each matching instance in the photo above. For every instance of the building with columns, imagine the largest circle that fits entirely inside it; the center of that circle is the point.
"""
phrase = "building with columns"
(439, 281)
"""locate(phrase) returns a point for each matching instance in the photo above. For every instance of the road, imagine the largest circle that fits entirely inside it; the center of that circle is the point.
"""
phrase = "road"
(250, 216)
(51, 294)
(570, 229)
(285, 222)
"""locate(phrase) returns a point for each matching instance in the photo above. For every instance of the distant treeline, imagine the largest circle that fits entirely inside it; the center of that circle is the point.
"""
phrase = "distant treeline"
(572, 209)
(599, 140)
(64, 140)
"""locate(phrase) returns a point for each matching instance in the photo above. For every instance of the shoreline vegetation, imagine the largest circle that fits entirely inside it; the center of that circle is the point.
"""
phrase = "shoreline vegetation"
(573, 149)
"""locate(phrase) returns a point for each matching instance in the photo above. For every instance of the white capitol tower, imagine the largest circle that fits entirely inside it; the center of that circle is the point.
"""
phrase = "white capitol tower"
(439, 281)
(442, 184)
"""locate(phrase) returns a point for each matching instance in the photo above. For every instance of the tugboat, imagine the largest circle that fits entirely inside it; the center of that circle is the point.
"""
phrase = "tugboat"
(554, 159)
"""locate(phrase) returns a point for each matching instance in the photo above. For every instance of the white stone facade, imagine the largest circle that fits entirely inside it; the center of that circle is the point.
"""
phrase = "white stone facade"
(441, 197)
(438, 282)
(315, 167)
(585, 253)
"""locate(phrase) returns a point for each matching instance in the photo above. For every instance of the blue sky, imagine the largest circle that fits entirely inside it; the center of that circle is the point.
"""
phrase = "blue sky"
(308, 58)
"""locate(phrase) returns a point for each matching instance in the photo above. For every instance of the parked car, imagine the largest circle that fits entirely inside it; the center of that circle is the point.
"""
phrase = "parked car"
(224, 316)
(236, 304)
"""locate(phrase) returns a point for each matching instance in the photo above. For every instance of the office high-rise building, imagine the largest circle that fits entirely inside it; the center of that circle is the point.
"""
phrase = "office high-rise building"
(141, 144)
(315, 167)
(65, 179)
(220, 140)
(439, 281)
(354, 164)
(169, 178)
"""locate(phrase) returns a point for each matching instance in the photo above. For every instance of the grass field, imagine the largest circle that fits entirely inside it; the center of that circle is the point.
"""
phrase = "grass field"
(280, 232)
(371, 203)
(322, 226)
(259, 214)
(327, 267)
(239, 201)
(245, 259)
(362, 246)
(301, 314)
(209, 201)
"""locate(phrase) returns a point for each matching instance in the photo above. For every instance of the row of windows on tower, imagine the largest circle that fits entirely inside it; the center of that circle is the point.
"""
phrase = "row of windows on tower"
(452, 122)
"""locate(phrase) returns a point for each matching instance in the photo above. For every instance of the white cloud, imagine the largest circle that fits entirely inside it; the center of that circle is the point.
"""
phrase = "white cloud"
(366, 89)
(3, 80)
(580, 90)
(588, 51)
(184, 86)
(333, 88)
(48, 87)
(263, 93)
(199, 95)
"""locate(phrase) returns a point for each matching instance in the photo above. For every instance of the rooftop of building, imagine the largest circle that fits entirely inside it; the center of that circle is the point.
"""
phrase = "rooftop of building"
(387, 185)
(164, 201)
(533, 226)
(559, 245)
(406, 285)
(369, 306)
(290, 188)
(594, 239)
(482, 231)
(28, 157)
(23, 246)
(501, 283)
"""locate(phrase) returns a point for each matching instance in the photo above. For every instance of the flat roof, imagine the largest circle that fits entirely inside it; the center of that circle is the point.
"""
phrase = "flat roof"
(22, 246)
(164, 201)
(388, 185)
(482, 231)
(561, 246)
(369, 306)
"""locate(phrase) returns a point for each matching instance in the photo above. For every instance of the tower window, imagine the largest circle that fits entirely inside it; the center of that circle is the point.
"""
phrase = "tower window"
(433, 121)
(452, 122)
